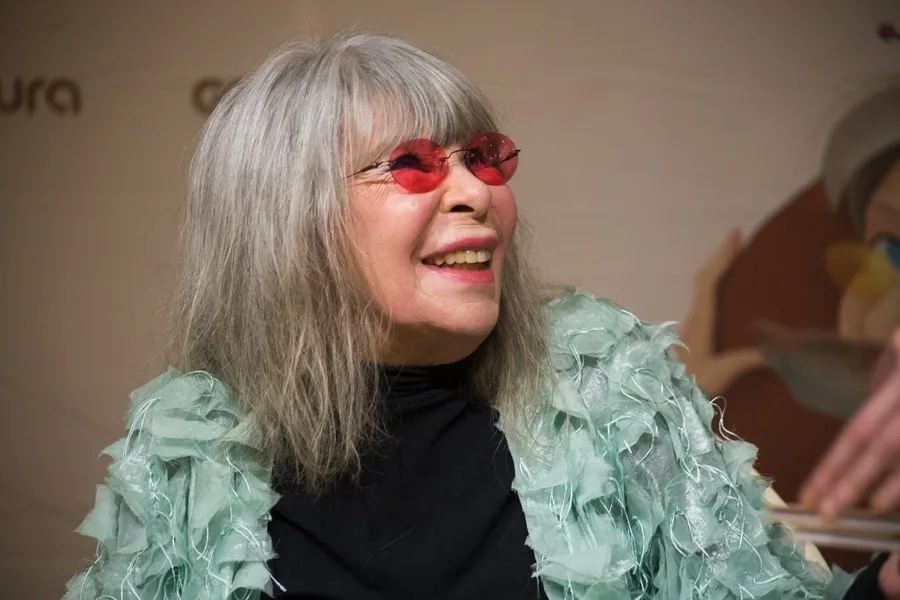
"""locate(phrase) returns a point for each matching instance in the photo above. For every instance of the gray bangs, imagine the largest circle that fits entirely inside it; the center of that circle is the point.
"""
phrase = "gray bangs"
(405, 93)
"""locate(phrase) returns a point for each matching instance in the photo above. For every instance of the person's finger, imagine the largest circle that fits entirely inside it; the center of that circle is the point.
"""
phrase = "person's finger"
(886, 498)
(853, 485)
(842, 454)
(886, 364)
(852, 441)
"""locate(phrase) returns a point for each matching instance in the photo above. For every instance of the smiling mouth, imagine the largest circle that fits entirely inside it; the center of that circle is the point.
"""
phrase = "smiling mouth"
(465, 260)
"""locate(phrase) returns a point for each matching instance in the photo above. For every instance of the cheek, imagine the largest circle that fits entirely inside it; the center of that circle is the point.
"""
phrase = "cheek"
(883, 317)
(389, 233)
(506, 212)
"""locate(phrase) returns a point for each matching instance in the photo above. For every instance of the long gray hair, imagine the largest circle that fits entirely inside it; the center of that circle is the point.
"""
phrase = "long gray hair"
(270, 297)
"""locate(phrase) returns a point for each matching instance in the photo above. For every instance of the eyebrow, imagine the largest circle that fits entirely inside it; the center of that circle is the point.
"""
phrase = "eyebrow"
(884, 230)
(882, 237)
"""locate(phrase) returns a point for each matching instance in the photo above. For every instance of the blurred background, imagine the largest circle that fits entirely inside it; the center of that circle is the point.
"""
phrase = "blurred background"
(649, 131)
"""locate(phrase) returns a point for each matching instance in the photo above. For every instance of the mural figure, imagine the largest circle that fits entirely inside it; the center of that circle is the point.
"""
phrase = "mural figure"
(829, 260)
(862, 169)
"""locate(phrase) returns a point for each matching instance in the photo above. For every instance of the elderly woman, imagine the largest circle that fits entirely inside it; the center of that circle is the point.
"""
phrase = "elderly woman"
(370, 399)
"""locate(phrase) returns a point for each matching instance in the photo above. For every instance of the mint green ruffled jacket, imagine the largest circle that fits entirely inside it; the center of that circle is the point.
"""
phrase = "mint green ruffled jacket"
(627, 493)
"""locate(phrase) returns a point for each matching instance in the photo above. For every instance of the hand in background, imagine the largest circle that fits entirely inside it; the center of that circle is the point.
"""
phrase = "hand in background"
(714, 371)
(863, 464)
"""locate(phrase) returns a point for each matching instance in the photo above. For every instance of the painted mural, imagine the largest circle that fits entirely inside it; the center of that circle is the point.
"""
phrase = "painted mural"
(827, 260)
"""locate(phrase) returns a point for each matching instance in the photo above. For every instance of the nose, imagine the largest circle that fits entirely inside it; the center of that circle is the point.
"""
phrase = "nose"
(463, 192)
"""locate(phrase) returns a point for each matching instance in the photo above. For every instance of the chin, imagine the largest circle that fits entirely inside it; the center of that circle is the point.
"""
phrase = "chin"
(476, 320)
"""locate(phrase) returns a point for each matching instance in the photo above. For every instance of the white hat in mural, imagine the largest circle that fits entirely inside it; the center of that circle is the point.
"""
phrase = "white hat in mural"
(864, 144)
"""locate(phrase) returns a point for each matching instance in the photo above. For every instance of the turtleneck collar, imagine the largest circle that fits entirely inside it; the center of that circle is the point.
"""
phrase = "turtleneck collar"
(409, 386)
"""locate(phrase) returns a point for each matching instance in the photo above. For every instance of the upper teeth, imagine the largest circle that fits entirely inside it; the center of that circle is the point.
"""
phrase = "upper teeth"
(463, 256)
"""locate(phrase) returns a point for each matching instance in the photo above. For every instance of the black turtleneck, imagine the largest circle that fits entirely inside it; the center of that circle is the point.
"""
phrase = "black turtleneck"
(433, 516)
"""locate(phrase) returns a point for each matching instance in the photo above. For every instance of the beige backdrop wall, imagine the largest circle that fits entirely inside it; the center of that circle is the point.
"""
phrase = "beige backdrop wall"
(648, 129)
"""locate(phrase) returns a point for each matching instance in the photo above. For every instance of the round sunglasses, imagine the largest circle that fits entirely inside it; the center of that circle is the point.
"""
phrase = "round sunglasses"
(420, 165)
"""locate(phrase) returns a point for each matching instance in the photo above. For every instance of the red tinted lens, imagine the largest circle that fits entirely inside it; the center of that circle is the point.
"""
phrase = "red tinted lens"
(492, 158)
(419, 166)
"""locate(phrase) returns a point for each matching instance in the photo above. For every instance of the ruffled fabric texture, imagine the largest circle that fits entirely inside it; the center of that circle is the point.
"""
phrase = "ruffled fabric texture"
(627, 492)
(185, 507)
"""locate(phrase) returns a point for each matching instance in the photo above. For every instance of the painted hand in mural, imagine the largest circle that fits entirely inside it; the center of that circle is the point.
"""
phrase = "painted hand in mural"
(863, 465)
(714, 371)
